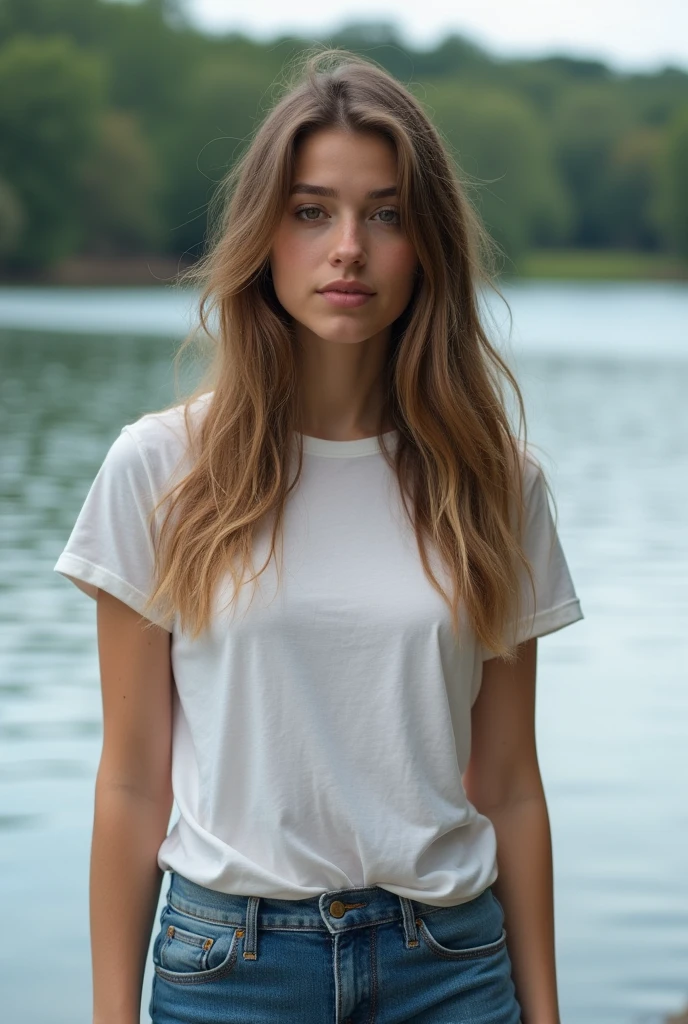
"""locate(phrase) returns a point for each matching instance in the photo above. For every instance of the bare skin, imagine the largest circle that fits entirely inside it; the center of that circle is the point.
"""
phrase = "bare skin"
(503, 782)
(343, 351)
(133, 803)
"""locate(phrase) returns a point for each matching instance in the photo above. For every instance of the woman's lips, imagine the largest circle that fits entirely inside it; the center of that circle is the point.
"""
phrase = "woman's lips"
(347, 300)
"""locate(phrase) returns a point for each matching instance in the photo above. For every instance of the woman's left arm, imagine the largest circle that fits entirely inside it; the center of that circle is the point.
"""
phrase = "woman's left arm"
(503, 782)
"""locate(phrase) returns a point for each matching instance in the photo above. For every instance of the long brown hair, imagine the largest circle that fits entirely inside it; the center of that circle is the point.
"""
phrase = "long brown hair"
(457, 455)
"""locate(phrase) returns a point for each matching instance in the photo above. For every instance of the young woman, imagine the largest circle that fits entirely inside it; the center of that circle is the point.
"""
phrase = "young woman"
(319, 585)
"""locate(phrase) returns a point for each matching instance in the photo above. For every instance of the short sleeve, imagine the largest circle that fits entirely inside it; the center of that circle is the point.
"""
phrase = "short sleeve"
(111, 546)
(556, 603)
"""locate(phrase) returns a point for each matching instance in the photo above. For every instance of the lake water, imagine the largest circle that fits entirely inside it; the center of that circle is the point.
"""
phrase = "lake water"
(604, 369)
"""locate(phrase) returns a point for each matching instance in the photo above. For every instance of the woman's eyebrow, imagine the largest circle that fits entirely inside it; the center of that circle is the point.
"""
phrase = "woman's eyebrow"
(333, 193)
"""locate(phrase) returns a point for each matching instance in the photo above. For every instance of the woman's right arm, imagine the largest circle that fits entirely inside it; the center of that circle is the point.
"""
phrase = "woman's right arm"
(133, 803)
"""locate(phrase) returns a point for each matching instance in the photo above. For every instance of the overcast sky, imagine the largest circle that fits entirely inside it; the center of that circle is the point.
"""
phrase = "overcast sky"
(628, 34)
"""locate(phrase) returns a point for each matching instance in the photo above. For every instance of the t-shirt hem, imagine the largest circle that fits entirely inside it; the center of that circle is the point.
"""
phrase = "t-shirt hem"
(89, 578)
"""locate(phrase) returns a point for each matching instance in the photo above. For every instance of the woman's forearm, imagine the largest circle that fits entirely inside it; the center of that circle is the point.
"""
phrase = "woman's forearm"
(525, 890)
(125, 881)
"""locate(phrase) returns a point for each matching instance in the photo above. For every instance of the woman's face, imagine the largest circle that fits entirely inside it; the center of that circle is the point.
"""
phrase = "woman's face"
(345, 234)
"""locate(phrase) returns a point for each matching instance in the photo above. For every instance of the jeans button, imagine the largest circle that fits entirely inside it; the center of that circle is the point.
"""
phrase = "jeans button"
(337, 909)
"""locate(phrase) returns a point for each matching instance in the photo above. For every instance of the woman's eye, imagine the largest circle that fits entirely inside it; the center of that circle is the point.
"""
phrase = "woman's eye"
(390, 209)
(306, 209)
(316, 210)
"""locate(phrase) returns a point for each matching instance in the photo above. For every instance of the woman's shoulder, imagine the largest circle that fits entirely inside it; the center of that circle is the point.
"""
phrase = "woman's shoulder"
(529, 465)
(162, 437)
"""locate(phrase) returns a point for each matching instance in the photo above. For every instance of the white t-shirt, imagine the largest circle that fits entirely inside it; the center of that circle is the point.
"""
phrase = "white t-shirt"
(320, 734)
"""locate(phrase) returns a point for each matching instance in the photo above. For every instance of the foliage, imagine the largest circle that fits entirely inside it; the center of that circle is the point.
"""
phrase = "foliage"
(120, 183)
(502, 155)
(672, 204)
(50, 100)
(12, 218)
(118, 118)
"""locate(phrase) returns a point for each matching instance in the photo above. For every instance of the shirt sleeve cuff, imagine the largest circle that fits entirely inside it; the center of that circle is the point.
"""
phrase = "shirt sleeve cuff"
(89, 578)
(549, 620)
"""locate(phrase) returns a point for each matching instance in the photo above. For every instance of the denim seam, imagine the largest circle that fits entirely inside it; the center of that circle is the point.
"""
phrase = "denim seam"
(373, 971)
(153, 1006)
(462, 954)
(337, 978)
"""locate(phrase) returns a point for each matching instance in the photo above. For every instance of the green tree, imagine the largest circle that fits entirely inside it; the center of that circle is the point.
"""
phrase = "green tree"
(634, 171)
(118, 118)
(12, 218)
(588, 127)
(502, 155)
(214, 125)
(121, 182)
(672, 199)
(50, 101)
(146, 46)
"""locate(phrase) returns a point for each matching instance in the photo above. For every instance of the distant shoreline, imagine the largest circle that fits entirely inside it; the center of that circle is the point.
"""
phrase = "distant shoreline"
(603, 265)
(549, 264)
(105, 271)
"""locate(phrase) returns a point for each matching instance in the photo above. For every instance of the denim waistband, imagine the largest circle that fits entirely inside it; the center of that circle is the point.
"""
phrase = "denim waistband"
(336, 910)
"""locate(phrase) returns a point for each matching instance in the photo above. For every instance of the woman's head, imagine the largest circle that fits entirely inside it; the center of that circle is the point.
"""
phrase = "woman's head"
(342, 222)
(346, 124)
(342, 112)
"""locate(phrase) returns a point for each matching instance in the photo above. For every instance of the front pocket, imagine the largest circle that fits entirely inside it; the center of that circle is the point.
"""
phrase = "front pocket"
(184, 951)
(458, 950)
(189, 950)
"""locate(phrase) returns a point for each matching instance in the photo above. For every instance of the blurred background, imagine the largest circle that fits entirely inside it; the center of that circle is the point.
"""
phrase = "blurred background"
(569, 123)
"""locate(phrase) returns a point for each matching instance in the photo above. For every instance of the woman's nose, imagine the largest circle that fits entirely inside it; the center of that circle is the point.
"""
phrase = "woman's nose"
(349, 241)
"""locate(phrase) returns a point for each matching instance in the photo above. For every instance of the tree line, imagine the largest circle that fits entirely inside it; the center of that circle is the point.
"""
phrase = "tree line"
(118, 118)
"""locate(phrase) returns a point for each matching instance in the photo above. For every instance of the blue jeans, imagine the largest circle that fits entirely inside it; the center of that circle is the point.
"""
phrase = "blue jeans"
(349, 956)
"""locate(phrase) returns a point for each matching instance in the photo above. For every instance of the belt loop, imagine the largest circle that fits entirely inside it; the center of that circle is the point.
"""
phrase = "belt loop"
(251, 928)
(409, 918)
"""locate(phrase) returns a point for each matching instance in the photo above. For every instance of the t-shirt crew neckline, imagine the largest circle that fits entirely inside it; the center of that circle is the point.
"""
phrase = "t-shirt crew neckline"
(347, 449)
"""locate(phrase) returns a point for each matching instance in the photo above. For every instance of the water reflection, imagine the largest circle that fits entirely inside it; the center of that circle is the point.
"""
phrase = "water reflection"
(613, 693)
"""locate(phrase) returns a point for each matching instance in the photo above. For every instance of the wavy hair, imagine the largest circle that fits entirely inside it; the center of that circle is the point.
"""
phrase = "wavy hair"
(458, 464)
